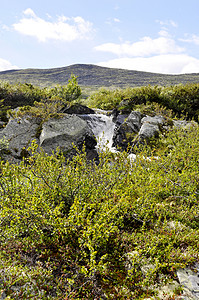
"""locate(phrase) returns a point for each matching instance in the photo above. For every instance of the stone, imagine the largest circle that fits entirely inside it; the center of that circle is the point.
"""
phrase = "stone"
(77, 109)
(150, 128)
(20, 132)
(156, 120)
(184, 124)
(62, 133)
(125, 133)
(189, 280)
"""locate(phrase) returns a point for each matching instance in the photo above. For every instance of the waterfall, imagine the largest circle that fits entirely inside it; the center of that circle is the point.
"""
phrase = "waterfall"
(102, 127)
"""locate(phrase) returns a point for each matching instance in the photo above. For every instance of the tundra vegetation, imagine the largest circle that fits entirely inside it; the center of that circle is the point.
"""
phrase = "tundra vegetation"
(116, 230)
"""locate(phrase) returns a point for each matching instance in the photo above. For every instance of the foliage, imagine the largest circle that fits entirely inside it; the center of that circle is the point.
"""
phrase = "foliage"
(3, 146)
(182, 100)
(93, 76)
(39, 102)
(80, 231)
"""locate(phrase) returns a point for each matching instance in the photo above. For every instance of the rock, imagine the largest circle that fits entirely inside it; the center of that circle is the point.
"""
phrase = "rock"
(64, 132)
(150, 128)
(184, 124)
(124, 133)
(77, 109)
(55, 133)
(148, 131)
(136, 129)
(20, 132)
(189, 279)
(115, 113)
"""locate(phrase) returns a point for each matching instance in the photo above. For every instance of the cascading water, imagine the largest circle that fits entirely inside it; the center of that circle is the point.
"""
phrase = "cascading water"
(102, 127)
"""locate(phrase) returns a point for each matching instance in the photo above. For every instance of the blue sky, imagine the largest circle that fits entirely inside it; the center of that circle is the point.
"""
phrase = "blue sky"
(159, 36)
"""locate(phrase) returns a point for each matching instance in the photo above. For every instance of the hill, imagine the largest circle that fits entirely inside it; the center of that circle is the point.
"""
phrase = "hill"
(93, 76)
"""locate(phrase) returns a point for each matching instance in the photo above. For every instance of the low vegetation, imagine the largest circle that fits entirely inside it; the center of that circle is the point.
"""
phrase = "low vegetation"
(39, 102)
(92, 76)
(116, 230)
(182, 100)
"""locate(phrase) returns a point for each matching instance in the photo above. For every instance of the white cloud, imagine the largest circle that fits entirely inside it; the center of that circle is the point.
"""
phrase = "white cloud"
(6, 65)
(64, 29)
(116, 20)
(29, 12)
(194, 39)
(167, 23)
(145, 47)
(165, 64)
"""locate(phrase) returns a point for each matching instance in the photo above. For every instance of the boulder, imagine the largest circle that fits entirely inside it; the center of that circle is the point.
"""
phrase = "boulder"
(56, 133)
(62, 133)
(126, 131)
(77, 109)
(150, 128)
(184, 124)
(20, 132)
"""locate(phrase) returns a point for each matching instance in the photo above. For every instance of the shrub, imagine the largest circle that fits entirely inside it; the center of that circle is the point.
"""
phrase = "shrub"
(182, 100)
(81, 231)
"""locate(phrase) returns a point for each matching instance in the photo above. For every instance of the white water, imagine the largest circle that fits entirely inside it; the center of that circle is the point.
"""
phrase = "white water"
(102, 127)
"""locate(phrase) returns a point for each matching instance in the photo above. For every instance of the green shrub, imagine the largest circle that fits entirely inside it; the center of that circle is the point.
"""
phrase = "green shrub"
(43, 103)
(181, 100)
(80, 231)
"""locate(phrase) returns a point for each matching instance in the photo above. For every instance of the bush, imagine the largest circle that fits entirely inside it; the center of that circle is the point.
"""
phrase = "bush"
(81, 231)
(39, 102)
(182, 100)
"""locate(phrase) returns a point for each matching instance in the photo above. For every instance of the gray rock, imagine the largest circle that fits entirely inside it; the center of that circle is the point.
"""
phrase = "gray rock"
(64, 132)
(150, 128)
(77, 109)
(189, 279)
(148, 131)
(156, 120)
(20, 132)
(125, 133)
(184, 123)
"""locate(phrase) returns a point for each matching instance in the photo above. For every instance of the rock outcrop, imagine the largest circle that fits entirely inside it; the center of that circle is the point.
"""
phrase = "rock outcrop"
(136, 129)
(77, 109)
(64, 132)
(126, 130)
(20, 132)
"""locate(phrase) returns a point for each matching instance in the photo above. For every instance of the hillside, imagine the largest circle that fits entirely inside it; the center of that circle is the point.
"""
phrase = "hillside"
(94, 76)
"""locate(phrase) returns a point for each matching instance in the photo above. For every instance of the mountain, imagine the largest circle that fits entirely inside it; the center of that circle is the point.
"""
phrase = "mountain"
(94, 76)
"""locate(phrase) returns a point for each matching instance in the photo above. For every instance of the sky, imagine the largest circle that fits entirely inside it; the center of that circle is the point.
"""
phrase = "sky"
(160, 36)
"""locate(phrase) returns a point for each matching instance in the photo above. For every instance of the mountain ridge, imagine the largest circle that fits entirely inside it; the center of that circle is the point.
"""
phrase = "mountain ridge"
(94, 76)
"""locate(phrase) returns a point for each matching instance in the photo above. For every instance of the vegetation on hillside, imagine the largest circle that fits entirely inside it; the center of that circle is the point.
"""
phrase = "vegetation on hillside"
(182, 100)
(93, 76)
(36, 101)
(116, 230)
(112, 231)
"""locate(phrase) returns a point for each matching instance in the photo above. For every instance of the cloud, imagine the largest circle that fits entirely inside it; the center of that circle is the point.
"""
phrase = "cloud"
(116, 20)
(165, 64)
(167, 23)
(194, 39)
(6, 65)
(63, 29)
(158, 55)
(145, 47)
